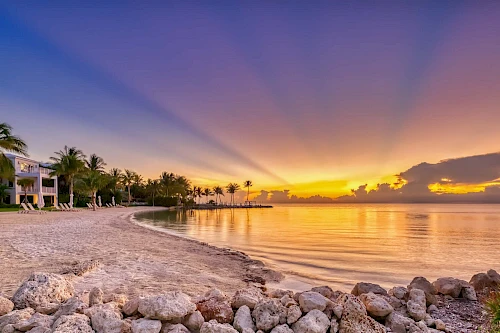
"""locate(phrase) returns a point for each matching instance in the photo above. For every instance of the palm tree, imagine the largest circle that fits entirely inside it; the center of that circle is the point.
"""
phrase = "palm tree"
(10, 143)
(3, 192)
(247, 184)
(115, 176)
(153, 188)
(181, 186)
(207, 192)
(128, 180)
(91, 182)
(68, 163)
(95, 163)
(232, 188)
(197, 193)
(168, 181)
(218, 192)
(25, 183)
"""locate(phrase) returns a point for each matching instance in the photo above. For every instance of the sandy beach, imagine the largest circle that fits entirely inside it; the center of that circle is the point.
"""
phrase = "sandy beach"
(133, 260)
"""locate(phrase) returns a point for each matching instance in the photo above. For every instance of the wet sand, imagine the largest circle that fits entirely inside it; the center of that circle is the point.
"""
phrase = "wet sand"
(133, 260)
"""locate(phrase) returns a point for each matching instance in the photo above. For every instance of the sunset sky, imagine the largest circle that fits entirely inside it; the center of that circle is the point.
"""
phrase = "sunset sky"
(313, 97)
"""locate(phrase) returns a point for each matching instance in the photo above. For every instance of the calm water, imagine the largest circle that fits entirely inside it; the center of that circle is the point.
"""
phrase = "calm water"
(340, 245)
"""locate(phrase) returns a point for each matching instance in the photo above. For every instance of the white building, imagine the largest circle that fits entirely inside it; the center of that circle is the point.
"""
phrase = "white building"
(44, 184)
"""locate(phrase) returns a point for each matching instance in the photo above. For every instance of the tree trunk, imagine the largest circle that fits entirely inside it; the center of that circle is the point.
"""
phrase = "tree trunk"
(153, 199)
(93, 201)
(248, 193)
(129, 195)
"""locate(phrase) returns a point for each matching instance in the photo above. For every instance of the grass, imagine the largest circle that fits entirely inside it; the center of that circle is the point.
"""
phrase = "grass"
(10, 209)
(493, 307)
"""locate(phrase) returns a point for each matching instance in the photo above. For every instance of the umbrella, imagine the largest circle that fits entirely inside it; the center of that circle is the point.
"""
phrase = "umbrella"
(113, 201)
(41, 203)
(71, 200)
(100, 203)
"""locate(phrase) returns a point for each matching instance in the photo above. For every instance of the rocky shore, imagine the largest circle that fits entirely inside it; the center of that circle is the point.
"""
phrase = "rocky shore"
(48, 303)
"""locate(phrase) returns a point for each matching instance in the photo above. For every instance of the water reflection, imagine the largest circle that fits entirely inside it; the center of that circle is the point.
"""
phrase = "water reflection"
(343, 244)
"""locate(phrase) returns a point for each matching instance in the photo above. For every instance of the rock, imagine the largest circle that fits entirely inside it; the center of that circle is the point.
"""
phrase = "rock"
(248, 297)
(311, 300)
(119, 299)
(334, 326)
(174, 328)
(171, 305)
(215, 305)
(294, 313)
(6, 305)
(326, 291)
(424, 284)
(193, 321)
(287, 301)
(468, 292)
(440, 325)
(131, 307)
(40, 330)
(95, 296)
(105, 319)
(279, 293)
(37, 320)
(432, 308)
(354, 317)
(494, 276)
(42, 290)
(448, 286)
(269, 313)
(243, 319)
(15, 317)
(397, 322)
(214, 327)
(72, 324)
(282, 329)
(376, 306)
(247, 330)
(314, 321)
(417, 304)
(146, 326)
(72, 305)
(365, 288)
(398, 292)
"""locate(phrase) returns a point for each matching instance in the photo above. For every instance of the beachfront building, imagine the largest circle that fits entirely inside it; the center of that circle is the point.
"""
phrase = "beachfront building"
(44, 184)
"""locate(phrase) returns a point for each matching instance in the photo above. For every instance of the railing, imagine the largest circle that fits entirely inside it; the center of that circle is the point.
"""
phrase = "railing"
(33, 169)
(46, 189)
(45, 171)
(30, 189)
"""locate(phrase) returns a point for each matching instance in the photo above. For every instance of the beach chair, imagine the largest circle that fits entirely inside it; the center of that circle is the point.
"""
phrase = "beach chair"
(108, 205)
(89, 205)
(25, 209)
(68, 208)
(32, 209)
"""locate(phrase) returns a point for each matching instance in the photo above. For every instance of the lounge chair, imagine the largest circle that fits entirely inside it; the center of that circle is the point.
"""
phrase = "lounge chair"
(25, 209)
(68, 208)
(32, 209)
(89, 205)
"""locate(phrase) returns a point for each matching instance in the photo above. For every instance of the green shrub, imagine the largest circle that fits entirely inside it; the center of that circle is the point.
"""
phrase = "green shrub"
(4, 205)
(493, 307)
(163, 201)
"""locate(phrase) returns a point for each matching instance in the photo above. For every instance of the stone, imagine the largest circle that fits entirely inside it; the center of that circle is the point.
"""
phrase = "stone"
(428, 288)
(492, 274)
(279, 293)
(354, 317)
(247, 330)
(282, 329)
(398, 292)
(325, 291)
(72, 305)
(174, 328)
(468, 292)
(416, 305)
(6, 305)
(214, 327)
(146, 326)
(287, 301)
(95, 296)
(105, 319)
(448, 286)
(40, 330)
(314, 321)
(376, 306)
(193, 321)
(294, 313)
(365, 288)
(432, 308)
(269, 313)
(41, 290)
(169, 306)
(440, 325)
(215, 305)
(15, 317)
(334, 326)
(248, 296)
(311, 300)
(119, 299)
(37, 320)
(71, 324)
(131, 307)
(243, 319)
(397, 322)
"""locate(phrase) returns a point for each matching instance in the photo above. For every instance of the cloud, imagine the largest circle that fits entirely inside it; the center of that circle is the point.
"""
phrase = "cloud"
(285, 196)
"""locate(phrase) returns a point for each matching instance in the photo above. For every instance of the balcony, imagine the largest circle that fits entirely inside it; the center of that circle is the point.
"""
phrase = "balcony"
(30, 189)
(51, 190)
(33, 170)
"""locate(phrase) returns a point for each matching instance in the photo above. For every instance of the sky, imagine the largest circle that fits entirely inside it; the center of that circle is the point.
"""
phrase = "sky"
(314, 98)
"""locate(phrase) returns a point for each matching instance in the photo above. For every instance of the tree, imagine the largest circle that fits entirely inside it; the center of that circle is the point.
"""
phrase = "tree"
(3, 192)
(95, 163)
(207, 192)
(68, 163)
(153, 188)
(25, 183)
(115, 178)
(128, 180)
(91, 182)
(167, 181)
(218, 192)
(232, 188)
(10, 143)
(197, 191)
(248, 184)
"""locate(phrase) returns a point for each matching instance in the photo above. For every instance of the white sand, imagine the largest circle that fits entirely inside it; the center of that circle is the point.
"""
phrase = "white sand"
(134, 260)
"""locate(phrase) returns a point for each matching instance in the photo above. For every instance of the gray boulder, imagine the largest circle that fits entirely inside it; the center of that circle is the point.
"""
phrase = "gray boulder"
(365, 288)
(314, 321)
(375, 305)
(243, 319)
(214, 327)
(448, 286)
(6, 305)
(269, 313)
(15, 317)
(144, 325)
(71, 324)
(311, 300)
(169, 306)
(248, 296)
(417, 304)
